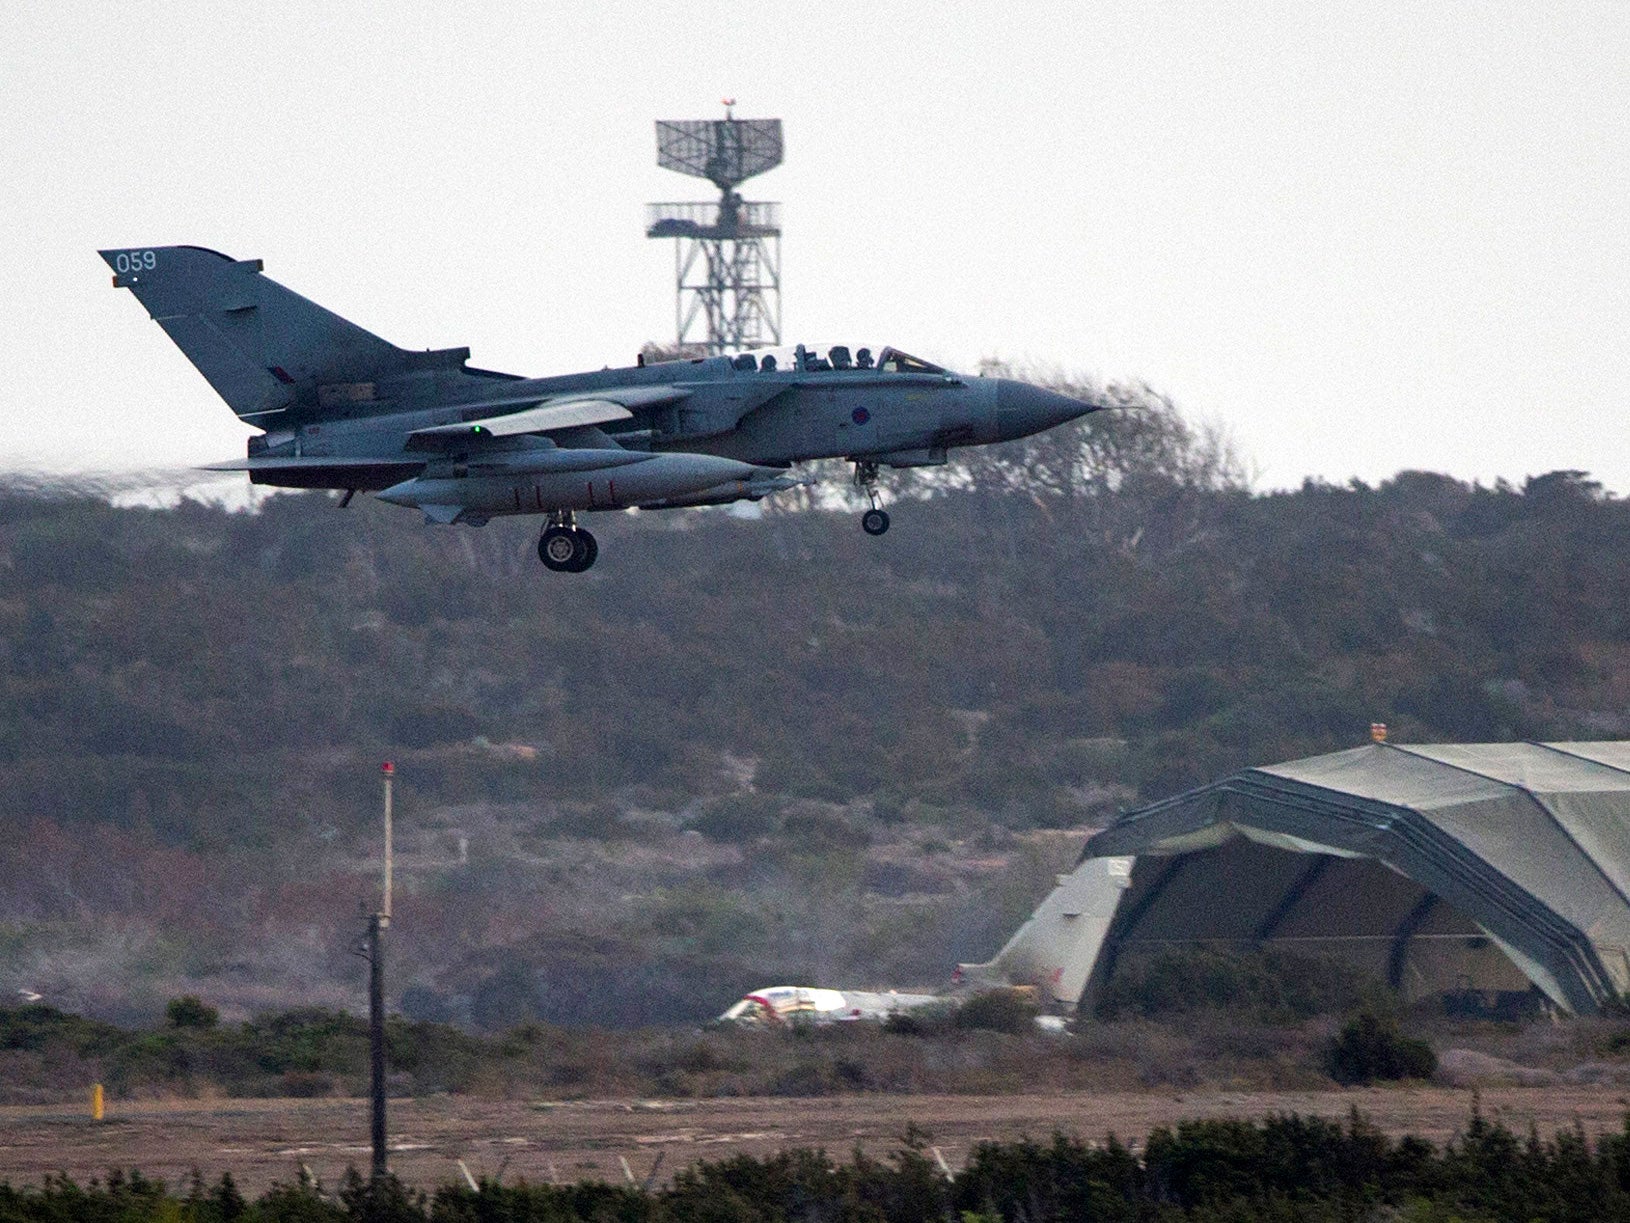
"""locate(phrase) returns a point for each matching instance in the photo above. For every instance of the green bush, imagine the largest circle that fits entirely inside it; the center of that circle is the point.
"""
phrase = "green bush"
(932, 1020)
(306, 1084)
(998, 1010)
(821, 831)
(822, 1078)
(190, 1011)
(904, 1023)
(310, 1040)
(604, 820)
(738, 817)
(1370, 1048)
(38, 1027)
(1271, 984)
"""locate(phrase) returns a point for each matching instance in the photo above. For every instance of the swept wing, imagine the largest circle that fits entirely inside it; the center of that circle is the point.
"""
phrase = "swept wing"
(571, 412)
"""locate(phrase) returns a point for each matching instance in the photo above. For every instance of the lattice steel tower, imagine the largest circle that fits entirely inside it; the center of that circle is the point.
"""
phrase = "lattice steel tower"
(727, 255)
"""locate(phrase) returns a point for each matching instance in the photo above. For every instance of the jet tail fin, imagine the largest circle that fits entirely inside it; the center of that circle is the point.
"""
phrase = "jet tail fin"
(1055, 949)
(263, 347)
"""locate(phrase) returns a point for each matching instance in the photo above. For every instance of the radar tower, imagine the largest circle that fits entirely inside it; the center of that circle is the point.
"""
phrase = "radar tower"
(727, 255)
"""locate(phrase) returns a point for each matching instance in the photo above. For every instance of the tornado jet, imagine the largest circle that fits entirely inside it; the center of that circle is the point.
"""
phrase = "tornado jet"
(339, 408)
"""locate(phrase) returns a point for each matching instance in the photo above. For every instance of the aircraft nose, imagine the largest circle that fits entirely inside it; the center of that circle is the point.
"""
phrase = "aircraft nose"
(1022, 409)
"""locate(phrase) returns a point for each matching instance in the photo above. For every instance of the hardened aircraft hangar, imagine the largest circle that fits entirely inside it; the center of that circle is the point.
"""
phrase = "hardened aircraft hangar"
(1496, 870)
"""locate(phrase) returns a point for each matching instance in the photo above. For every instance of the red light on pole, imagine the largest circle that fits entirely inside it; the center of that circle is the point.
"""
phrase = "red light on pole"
(387, 768)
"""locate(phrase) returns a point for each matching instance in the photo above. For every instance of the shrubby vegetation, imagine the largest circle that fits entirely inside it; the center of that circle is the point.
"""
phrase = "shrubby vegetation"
(1369, 1047)
(190, 1011)
(988, 1044)
(1136, 618)
(1271, 985)
(735, 751)
(303, 1052)
(1281, 1169)
(998, 1010)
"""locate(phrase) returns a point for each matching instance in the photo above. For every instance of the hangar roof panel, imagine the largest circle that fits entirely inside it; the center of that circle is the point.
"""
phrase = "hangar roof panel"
(1519, 838)
(1588, 800)
(1533, 766)
(1614, 753)
(1385, 775)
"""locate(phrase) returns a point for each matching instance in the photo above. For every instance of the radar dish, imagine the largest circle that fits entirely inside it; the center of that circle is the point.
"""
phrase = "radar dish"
(723, 151)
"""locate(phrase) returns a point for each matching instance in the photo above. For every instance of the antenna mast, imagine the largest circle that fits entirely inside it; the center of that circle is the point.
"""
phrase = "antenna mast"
(378, 923)
(727, 255)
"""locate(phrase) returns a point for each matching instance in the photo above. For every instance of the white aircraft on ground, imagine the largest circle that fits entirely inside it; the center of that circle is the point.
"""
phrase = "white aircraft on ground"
(1051, 955)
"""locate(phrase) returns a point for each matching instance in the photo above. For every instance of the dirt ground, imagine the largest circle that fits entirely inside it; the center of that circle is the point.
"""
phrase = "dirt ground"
(261, 1141)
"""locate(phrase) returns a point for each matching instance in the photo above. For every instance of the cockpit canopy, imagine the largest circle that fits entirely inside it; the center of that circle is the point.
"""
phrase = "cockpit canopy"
(836, 357)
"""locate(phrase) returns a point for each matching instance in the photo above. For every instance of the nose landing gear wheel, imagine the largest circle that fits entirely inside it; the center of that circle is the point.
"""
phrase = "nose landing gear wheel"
(567, 549)
(874, 522)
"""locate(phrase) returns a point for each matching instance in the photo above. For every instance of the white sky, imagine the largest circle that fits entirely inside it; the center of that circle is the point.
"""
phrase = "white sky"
(1363, 237)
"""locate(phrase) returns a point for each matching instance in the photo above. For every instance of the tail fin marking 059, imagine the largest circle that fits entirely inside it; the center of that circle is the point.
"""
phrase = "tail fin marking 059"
(263, 347)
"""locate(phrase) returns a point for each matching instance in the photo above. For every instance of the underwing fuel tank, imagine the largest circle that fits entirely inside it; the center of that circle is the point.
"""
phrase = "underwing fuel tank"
(627, 480)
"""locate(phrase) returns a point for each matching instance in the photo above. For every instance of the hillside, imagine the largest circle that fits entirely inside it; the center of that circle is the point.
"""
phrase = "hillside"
(735, 749)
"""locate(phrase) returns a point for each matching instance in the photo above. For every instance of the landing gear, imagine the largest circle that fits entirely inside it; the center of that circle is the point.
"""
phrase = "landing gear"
(875, 520)
(587, 551)
(566, 547)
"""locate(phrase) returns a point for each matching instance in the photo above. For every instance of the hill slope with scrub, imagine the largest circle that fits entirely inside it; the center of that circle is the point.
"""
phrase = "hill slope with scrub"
(736, 747)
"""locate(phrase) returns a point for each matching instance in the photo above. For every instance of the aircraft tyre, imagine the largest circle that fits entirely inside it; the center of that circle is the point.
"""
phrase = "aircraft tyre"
(584, 551)
(558, 548)
(874, 522)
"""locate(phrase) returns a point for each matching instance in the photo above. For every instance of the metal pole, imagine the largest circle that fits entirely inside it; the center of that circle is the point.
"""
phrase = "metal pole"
(377, 925)
(376, 1036)
(388, 771)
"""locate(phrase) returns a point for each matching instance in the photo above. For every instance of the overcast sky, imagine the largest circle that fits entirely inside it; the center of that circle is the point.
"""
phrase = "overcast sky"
(1363, 237)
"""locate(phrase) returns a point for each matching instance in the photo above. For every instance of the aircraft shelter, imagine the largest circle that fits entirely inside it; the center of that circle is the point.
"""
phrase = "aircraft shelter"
(1448, 869)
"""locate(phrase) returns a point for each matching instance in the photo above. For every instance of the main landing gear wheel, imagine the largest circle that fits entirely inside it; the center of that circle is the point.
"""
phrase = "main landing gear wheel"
(566, 549)
(586, 552)
(874, 522)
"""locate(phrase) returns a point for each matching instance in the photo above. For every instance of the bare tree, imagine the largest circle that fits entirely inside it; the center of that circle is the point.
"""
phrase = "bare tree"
(1134, 466)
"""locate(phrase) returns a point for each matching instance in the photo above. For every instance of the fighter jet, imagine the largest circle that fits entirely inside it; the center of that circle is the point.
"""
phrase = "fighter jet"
(339, 408)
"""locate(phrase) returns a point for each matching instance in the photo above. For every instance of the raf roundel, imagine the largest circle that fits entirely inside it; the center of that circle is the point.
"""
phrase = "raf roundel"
(860, 416)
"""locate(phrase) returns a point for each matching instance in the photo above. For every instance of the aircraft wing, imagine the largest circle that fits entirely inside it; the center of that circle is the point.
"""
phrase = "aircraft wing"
(568, 412)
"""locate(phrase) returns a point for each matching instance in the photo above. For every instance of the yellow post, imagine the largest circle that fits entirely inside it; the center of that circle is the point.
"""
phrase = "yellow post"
(96, 1102)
